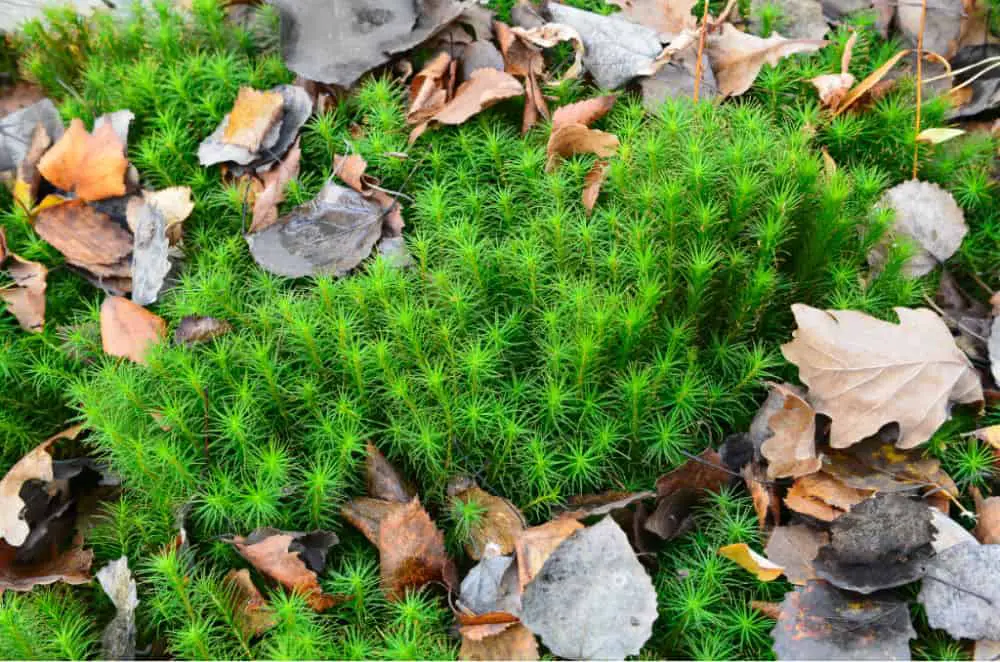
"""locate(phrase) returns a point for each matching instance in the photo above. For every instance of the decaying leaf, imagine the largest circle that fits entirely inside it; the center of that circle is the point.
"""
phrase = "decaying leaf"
(818, 622)
(411, 550)
(791, 450)
(25, 297)
(366, 34)
(832, 88)
(17, 128)
(679, 491)
(290, 558)
(584, 112)
(500, 525)
(254, 114)
(129, 330)
(927, 216)
(513, 642)
(69, 567)
(592, 505)
(987, 529)
(615, 50)
(87, 238)
(667, 17)
(150, 259)
(91, 165)
(882, 542)
(351, 169)
(823, 497)
(740, 553)
(536, 544)
(870, 83)
(865, 373)
(592, 598)
(252, 612)
(492, 585)
(578, 139)
(592, 183)
(118, 638)
(194, 329)
(332, 234)
(485, 88)
(794, 548)
(737, 57)
(524, 60)
(383, 480)
(265, 204)
(958, 593)
(429, 92)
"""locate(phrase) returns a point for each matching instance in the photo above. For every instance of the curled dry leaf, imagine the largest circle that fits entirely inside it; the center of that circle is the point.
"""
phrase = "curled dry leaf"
(791, 450)
(537, 543)
(91, 165)
(524, 60)
(592, 599)
(865, 373)
(832, 88)
(987, 529)
(574, 139)
(868, 85)
(592, 183)
(737, 57)
(668, 17)
(118, 638)
(265, 204)
(485, 88)
(794, 548)
(290, 558)
(928, 216)
(253, 614)
(763, 493)
(195, 329)
(25, 297)
(429, 92)
(129, 330)
(751, 561)
(550, 35)
(513, 642)
(584, 112)
(823, 497)
(254, 114)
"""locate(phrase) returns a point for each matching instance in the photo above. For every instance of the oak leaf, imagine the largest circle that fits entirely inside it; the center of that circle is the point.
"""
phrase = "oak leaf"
(129, 330)
(822, 496)
(91, 165)
(411, 550)
(737, 57)
(865, 373)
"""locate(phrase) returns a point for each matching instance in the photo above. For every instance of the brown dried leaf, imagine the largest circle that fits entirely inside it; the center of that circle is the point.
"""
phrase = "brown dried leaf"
(771, 610)
(282, 556)
(823, 497)
(25, 298)
(254, 114)
(254, 615)
(870, 81)
(740, 553)
(429, 89)
(832, 88)
(91, 165)
(265, 205)
(88, 238)
(591, 505)
(383, 480)
(514, 642)
(501, 524)
(584, 112)
(791, 451)
(129, 330)
(668, 17)
(351, 169)
(411, 550)
(367, 514)
(987, 529)
(794, 548)
(737, 57)
(69, 567)
(550, 35)
(766, 502)
(592, 183)
(865, 373)
(485, 88)
(706, 474)
(195, 329)
(537, 543)
(578, 139)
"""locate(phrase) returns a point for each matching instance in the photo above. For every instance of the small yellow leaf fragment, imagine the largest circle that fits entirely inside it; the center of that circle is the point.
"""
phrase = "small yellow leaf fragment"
(750, 560)
(939, 135)
(991, 435)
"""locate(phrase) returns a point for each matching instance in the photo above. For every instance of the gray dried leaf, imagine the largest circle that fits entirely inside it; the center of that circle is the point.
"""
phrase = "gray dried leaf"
(616, 50)
(818, 622)
(676, 79)
(17, 127)
(959, 594)
(947, 532)
(394, 250)
(800, 19)
(337, 43)
(927, 215)
(592, 599)
(118, 639)
(195, 329)
(480, 55)
(794, 548)
(331, 234)
(150, 259)
(119, 121)
(492, 586)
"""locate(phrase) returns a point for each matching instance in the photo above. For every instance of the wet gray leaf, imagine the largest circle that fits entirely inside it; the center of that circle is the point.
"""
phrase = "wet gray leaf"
(17, 127)
(960, 594)
(819, 622)
(119, 121)
(118, 639)
(150, 259)
(480, 55)
(336, 43)
(491, 585)
(332, 234)
(800, 19)
(616, 51)
(592, 599)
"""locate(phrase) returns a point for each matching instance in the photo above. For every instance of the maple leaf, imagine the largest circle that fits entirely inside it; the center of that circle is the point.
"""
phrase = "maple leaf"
(865, 373)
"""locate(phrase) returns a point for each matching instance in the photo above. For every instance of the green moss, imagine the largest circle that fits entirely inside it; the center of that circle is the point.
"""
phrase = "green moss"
(544, 350)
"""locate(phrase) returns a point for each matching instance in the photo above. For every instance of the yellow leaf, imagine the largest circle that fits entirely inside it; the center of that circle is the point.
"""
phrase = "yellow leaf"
(748, 559)
(935, 136)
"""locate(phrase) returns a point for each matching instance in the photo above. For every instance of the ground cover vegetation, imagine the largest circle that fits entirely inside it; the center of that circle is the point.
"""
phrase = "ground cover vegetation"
(543, 349)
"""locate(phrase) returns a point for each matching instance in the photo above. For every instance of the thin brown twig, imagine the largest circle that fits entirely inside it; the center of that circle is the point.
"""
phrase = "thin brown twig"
(701, 52)
(920, 75)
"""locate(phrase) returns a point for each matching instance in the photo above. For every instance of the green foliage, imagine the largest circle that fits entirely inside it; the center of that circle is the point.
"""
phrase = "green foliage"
(544, 350)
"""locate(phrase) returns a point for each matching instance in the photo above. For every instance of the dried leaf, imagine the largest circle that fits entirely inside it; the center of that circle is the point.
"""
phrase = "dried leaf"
(990, 435)
(766, 502)
(118, 638)
(36, 465)
(592, 598)
(592, 183)
(383, 480)
(195, 329)
(764, 569)
(832, 88)
(938, 135)
(958, 593)
(592, 505)
(87, 237)
(91, 165)
(351, 169)
(69, 567)
(986, 649)
(485, 88)
(537, 543)
(929, 217)
(706, 473)
(175, 204)
(987, 529)
(480, 55)
(667, 17)
(584, 112)
(676, 70)
(947, 532)
(28, 178)
(818, 622)
(253, 614)
(17, 128)
(770, 610)
(150, 259)
(550, 35)
(791, 451)
(254, 114)
(25, 297)
(794, 548)
(514, 642)
(822, 497)
(500, 525)
(492, 586)
(865, 373)
(615, 50)
(411, 550)
(737, 57)
(882, 542)
(429, 92)
(129, 330)
(869, 83)
(332, 234)
(366, 35)
(993, 347)
(578, 139)
(265, 205)
(292, 559)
